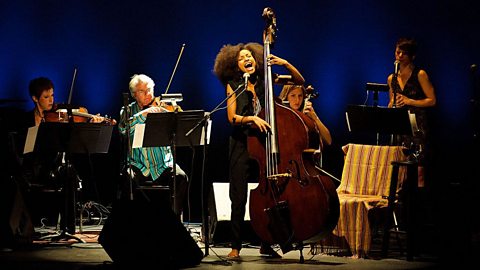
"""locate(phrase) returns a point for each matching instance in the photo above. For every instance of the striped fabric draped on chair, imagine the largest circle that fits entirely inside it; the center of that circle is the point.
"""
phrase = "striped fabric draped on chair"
(364, 186)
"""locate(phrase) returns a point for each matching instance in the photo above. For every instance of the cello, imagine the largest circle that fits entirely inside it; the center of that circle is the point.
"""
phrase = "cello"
(294, 203)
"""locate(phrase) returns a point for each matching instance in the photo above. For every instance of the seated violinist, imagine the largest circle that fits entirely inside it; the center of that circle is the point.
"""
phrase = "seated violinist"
(295, 96)
(42, 94)
(37, 168)
(150, 165)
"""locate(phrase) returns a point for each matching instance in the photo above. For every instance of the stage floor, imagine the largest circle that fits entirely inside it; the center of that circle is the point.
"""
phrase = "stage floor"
(72, 254)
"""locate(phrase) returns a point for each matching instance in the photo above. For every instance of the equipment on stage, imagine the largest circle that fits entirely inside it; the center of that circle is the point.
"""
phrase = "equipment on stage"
(375, 88)
(294, 204)
(67, 139)
(379, 119)
(160, 239)
(170, 129)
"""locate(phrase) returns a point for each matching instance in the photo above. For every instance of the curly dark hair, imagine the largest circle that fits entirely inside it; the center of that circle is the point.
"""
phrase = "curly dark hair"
(226, 63)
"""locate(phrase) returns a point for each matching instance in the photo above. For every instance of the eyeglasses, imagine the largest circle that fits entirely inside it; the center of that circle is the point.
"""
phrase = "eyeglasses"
(143, 92)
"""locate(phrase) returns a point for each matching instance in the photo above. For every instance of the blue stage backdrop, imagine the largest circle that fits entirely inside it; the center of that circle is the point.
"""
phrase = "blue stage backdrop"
(339, 46)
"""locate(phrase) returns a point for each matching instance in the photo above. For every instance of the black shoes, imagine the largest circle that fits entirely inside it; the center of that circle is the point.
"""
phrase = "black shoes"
(269, 252)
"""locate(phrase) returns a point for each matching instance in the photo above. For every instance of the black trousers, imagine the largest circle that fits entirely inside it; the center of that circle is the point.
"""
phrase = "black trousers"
(242, 169)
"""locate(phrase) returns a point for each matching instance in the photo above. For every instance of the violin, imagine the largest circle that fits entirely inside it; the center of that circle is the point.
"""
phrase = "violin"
(59, 112)
(79, 115)
(170, 106)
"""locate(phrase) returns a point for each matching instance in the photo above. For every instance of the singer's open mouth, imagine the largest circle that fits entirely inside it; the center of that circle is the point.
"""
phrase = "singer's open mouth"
(249, 66)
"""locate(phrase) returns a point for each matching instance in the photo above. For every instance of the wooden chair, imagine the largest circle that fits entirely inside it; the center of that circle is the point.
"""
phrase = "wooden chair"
(367, 196)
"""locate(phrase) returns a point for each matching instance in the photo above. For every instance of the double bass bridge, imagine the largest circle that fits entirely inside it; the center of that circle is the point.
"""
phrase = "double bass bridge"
(275, 177)
(278, 182)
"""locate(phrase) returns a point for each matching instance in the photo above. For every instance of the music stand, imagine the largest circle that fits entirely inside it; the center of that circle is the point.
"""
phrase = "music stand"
(375, 88)
(382, 120)
(68, 138)
(169, 129)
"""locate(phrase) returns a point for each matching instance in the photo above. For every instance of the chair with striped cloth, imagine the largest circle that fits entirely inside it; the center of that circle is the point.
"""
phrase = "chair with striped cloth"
(364, 189)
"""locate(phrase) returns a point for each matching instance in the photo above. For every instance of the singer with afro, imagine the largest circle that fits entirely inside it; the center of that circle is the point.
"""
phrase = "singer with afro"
(240, 68)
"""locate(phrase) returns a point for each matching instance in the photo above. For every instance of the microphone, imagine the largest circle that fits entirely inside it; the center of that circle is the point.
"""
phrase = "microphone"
(126, 97)
(246, 75)
(397, 67)
(126, 101)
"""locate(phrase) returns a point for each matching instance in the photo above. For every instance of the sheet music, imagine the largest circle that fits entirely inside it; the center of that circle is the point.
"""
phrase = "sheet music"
(138, 135)
(413, 122)
(348, 122)
(209, 128)
(31, 138)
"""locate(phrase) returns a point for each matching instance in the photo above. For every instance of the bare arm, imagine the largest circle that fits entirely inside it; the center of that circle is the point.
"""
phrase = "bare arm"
(236, 119)
(427, 88)
(390, 90)
(430, 100)
(297, 77)
(323, 131)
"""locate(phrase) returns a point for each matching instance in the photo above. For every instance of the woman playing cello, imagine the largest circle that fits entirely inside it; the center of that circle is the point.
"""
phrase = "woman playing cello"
(232, 64)
(296, 96)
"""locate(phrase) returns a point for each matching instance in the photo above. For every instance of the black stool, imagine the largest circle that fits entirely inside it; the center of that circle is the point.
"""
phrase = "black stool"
(407, 196)
(154, 193)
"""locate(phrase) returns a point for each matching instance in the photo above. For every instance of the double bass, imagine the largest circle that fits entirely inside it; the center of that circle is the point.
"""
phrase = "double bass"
(294, 203)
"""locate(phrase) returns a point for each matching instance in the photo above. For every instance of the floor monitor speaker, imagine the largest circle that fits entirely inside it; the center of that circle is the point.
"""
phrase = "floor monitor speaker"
(16, 228)
(140, 232)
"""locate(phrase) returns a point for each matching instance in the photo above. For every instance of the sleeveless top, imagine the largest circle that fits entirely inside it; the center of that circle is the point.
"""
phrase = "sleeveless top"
(246, 104)
(413, 90)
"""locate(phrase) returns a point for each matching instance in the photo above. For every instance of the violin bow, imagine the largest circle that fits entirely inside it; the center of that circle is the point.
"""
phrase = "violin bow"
(71, 86)
(175, 68)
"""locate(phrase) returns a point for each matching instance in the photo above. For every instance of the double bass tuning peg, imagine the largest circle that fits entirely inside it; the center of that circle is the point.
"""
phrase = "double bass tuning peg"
(268, 15)
(270, 25)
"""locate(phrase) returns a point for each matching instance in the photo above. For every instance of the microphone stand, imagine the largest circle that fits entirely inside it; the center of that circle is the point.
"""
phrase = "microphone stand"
(68, 174)
(126, 168)
(204, 122)
(217, 108)
(395, 76)
(395, 90)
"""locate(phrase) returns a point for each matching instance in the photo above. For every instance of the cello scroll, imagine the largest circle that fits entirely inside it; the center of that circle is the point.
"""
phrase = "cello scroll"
(309, 95)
